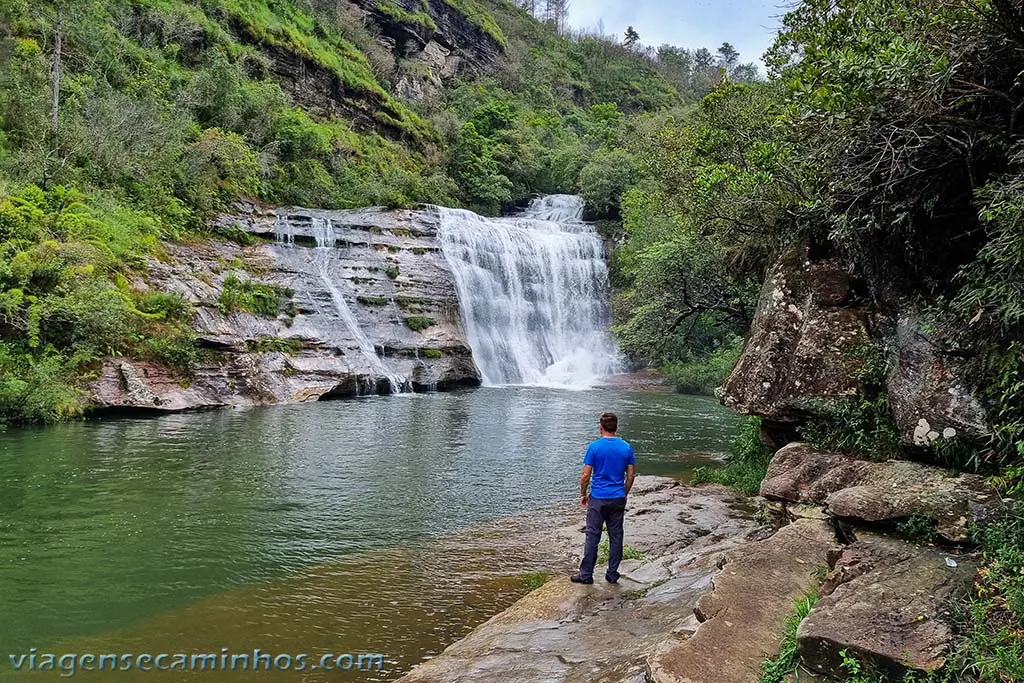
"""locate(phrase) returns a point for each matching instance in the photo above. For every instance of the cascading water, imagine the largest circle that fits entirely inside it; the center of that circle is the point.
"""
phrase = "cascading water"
(534, 292)
(323, 255)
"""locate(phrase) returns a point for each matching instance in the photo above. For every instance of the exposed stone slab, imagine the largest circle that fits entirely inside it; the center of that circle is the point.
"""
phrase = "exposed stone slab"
(884, 601)
(745, 617)
(567, 633)
(799, 346)
(879, 491)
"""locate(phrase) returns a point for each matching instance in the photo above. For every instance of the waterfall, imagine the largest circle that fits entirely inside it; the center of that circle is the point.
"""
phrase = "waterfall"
(323, 256)
(533, 292)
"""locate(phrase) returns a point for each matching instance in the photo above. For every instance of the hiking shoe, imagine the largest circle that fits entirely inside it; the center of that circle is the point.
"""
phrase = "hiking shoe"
(611, 579)
(576, 578)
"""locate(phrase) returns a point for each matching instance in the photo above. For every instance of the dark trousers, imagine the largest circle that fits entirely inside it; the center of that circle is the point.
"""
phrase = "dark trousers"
(601, 512)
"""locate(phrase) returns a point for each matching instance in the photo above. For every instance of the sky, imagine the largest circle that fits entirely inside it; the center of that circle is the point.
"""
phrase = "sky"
(748, 24)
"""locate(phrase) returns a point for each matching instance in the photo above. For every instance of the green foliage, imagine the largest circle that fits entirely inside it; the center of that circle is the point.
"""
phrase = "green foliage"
(392, 272)
(535, 580)
(702, 376)
(433, 354)
(418, 323)
(919, 528)
(254, 297)
(221, 168)
(375, 301)
(37, 388)
(746, 465)
(862, 425)
(163, 306)
(778, 668)
(65, 302)
(263, 344)
(605, 179)
(628, 552)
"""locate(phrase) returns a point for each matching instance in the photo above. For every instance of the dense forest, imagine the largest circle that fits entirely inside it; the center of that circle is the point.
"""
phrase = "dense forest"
(128, 124)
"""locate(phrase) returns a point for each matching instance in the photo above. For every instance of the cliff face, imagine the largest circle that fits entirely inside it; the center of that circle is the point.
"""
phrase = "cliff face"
(428, 42)
(802, 350)
(369, 306)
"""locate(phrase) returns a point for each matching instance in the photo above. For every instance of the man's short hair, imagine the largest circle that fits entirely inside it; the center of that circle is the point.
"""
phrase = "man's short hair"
(610, 422)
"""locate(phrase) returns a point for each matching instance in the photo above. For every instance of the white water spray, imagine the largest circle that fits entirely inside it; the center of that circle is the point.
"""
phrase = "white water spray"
(534, 292)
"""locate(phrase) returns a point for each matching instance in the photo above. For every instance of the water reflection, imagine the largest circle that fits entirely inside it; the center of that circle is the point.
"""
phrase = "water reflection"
(301, 526)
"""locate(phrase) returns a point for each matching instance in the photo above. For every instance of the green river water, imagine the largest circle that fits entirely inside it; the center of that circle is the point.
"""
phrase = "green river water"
(332, 527)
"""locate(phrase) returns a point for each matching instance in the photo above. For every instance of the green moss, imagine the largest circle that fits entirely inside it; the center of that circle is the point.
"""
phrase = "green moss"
(418, 323)
(375, 301)
(535, 580)
(392, 272)
(288, 345)
(421, 18)
(480, 17)
(253, 297)
(433, 354)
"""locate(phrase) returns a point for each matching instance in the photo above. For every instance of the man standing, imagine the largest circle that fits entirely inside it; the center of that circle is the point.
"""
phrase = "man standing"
(612, 463)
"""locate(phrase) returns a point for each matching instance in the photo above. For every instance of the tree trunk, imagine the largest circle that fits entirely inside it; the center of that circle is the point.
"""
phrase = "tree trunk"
(55, 106)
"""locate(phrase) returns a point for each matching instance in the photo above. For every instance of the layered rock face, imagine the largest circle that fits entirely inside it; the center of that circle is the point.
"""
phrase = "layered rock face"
(371, 307)
(429, 42)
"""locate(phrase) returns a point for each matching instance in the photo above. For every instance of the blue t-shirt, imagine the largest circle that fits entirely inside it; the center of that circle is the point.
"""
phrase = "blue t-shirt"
(609, 457)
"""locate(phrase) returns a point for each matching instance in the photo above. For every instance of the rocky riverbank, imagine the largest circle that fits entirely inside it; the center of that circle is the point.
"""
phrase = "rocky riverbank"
(711, 595)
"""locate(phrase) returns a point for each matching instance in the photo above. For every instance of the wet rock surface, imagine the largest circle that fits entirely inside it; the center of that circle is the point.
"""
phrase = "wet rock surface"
(605, 632)
(385, 268)
(879, 492)
(885, 602)
(800, 344)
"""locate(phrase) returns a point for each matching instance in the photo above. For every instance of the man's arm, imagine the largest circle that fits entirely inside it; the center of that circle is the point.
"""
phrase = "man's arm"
(585, 485)
(630, 476)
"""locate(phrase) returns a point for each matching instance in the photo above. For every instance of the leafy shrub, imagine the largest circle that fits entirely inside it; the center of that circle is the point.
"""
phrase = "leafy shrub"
(164, 305)
(433, 354)
(36, 389)
(863, 425)
(254, 297)
(220, 168)
(704, 375)
(605, 179)
(418, 323)
(746, 465)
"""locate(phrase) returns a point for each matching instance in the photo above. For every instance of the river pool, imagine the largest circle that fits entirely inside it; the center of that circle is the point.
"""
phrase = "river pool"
(353, 526)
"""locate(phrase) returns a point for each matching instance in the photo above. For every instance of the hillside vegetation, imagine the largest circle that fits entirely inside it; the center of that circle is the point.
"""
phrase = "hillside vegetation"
(168, 111)
(889, 138)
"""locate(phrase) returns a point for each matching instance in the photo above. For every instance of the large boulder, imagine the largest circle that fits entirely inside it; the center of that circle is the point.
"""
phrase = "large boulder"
(885, 603)
(801, 343)
(879, 491)
(744, 619)
(930, 392)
